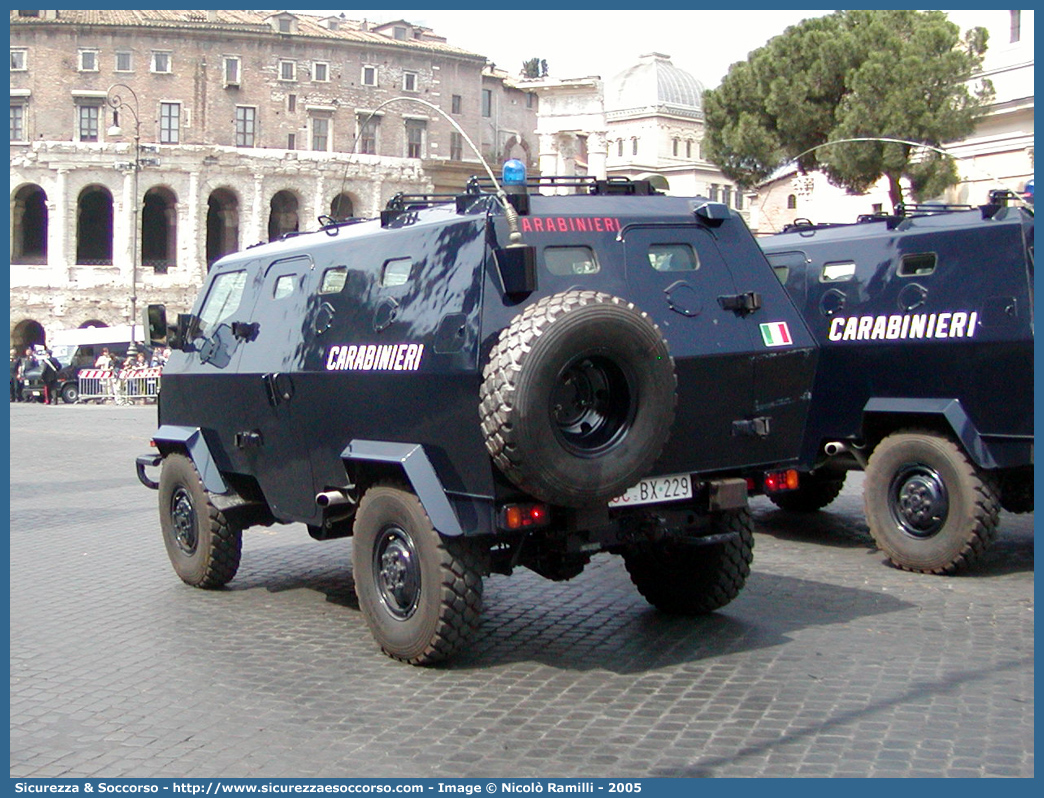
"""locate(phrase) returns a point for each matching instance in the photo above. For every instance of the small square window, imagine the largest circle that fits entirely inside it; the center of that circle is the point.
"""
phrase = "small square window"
(321, 72)
(918, 265)
(409, 81)
(88, 60)
(838, 272)
(284, 286)
(569, 261)
(124, 62)
(334, 280)
(673, 258)
(161, 63)
(396, 272)
(18, 60)
(288, 70)
(369, 76)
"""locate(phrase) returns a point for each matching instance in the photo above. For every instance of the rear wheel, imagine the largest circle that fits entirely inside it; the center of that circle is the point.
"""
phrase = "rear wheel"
(420, 592)
(694, 576)
(928, 507)
(203, 546)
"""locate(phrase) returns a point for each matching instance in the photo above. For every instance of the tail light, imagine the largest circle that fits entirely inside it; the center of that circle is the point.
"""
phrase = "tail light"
(523, 516)
(776, 481)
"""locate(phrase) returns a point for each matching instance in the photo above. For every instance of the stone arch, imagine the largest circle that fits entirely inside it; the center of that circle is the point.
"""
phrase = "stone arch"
(518, 148)
(94, 226)
(342, 206)
(222, 224)
(283, 214)
(28, 332)
(159, 227)
(29, 225)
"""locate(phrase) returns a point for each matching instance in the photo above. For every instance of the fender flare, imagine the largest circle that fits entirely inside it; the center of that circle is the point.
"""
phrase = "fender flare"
(999, 452)
(420, 473)
(196, 446)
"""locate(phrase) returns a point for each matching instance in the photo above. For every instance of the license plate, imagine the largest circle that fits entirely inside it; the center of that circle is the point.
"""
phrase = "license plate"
(656, 489)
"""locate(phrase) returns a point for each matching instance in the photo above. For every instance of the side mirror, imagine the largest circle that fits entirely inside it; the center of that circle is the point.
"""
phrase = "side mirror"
(517, 266)
(155, 325)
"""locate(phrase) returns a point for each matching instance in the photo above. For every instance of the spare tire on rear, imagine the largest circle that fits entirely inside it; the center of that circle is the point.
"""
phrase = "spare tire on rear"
(578, 398)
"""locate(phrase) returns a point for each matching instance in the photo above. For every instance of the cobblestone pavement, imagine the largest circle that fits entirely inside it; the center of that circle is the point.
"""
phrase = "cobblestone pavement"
(830, 663)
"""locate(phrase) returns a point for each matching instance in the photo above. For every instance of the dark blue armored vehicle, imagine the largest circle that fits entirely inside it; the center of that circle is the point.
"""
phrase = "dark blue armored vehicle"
(925, 379)
(478, 382)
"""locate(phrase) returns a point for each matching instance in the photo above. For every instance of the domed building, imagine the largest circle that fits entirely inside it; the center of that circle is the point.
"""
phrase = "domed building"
(644, 122)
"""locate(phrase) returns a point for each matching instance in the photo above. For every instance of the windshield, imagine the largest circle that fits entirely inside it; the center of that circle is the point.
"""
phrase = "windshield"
(226, 292)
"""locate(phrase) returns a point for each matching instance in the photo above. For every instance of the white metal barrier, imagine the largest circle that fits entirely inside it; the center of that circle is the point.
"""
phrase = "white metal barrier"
(122, 386)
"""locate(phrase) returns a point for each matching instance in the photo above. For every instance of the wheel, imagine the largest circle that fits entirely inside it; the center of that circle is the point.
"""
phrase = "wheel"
(420, 593)
(578, 397)
(686, 578)
(203, 546)
(815, 491)
(928, 507)
(70, 393)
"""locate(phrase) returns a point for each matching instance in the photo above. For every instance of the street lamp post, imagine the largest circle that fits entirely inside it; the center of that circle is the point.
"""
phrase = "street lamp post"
(115, 98)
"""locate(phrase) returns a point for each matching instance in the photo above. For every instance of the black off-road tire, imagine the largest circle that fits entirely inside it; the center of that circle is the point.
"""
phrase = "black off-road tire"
(420, 592)
(203, 546)
(928, 507)
(70, 393)
(578, 398)
(686, 579)
(815, 491)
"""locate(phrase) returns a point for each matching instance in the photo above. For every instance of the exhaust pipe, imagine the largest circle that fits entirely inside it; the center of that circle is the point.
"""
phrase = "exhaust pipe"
(835, 448)
(332, 498)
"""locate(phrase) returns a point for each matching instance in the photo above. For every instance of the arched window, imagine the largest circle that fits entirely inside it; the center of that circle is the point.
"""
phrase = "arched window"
(342, 206)
(282, 217)
(29, 225)
(791, 202)
(222, 224)
(94, 227)
(159, 227)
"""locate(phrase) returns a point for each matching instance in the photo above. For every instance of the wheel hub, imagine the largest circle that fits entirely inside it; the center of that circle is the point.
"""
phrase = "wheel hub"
(396, 572)
(591, 406)
(920, 503)
(183, 521)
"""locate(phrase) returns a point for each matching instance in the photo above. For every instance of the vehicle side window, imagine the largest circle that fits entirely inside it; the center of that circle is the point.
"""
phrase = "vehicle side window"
(284, 286)
(223, 299)
(567, 261)
(396, 272)
(334, 280)
(837, 272)
(673, 258)
(918, 265)
(783, 262)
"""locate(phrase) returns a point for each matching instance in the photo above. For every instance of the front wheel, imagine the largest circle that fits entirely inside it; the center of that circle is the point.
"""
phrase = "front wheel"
(203, 546)
(928, 507)
(420, 593)
(694, 576)
(70, 393)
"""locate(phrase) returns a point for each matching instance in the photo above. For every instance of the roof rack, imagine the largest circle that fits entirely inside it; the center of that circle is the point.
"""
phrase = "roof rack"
(589, 184)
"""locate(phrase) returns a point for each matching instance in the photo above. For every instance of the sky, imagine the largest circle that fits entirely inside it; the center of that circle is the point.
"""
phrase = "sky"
(600, 42)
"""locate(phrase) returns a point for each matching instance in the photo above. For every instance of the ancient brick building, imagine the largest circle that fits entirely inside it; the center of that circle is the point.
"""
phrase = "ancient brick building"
(146, 144)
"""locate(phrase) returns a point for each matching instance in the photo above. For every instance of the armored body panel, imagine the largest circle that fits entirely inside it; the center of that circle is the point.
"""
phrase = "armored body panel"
(926, 326)
(513, 379)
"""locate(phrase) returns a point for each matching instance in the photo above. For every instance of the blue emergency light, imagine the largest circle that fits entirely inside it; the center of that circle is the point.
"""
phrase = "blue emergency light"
(514, 173)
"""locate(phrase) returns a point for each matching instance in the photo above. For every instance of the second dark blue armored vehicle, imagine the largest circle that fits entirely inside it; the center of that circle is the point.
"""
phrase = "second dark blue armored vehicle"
(474, 383)
(925, 379)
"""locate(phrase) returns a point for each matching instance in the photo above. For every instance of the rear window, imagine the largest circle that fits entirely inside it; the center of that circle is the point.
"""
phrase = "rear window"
(673, 258)
(567, 261)
(918, 265)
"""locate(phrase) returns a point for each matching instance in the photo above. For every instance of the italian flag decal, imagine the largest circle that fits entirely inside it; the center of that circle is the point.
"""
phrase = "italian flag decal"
(776, 334)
